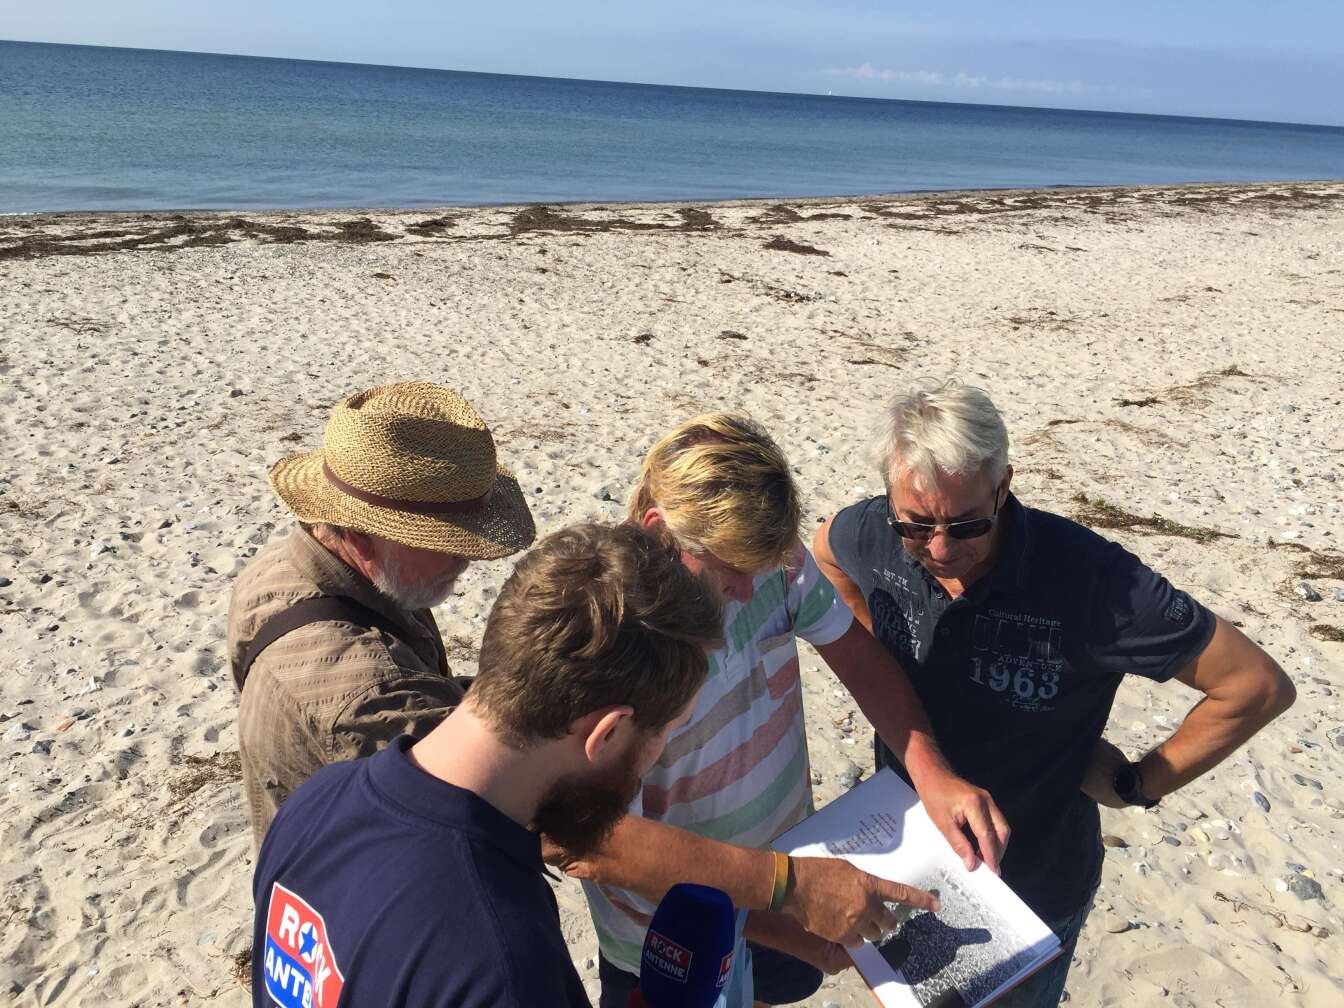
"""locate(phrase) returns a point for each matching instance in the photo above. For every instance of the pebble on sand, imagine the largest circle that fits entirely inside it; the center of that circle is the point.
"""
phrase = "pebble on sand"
(1305, 888)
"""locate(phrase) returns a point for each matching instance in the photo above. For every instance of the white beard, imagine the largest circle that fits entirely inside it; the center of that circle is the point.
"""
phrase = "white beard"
(392, 582)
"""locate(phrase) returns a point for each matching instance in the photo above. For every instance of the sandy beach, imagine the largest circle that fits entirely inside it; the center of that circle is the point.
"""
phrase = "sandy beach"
(1170, 362)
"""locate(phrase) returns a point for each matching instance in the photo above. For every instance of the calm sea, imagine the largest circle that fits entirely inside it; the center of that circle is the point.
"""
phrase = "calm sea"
(85, 128)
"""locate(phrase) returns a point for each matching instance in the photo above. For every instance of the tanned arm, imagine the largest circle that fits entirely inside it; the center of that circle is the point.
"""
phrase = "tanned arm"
(1244, 689)
(827, 896)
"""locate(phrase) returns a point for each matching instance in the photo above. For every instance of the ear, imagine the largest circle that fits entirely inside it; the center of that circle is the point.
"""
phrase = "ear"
(653, 517)
(360, 544)
(603, 732)
(1007, 480)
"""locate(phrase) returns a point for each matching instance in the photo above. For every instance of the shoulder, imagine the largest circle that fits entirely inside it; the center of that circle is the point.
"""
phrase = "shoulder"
(328, 664)
(318, 802)
(267, 584)
(1054, 535)
(856, 527)
(862, 514)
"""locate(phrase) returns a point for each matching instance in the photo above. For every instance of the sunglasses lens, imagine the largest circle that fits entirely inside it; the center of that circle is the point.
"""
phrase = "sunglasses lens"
(911, 530)
(973, 529)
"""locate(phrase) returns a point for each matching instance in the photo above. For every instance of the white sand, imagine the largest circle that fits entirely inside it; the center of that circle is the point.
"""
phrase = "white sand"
(146, 390)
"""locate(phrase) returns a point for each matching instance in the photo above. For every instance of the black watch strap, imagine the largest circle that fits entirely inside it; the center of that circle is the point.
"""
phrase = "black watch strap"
(1128, 784)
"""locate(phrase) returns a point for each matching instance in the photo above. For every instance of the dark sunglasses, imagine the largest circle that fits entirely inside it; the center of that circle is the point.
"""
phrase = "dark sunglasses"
(972, 528)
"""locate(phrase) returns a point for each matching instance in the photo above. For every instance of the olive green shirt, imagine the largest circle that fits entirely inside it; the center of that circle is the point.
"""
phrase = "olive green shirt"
(326, 691)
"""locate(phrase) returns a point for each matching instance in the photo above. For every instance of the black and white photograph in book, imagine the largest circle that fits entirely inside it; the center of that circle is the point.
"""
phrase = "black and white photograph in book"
(959, 956)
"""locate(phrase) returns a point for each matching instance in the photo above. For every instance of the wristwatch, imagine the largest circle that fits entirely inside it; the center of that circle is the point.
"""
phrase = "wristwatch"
(1128, 784)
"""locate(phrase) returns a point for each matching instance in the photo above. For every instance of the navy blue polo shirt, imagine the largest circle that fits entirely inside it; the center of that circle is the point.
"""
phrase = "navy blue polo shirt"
(1018, 674)
(379, 884)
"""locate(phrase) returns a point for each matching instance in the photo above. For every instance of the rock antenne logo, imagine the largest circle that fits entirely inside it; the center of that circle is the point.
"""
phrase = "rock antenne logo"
(300, 968)
(667, 957)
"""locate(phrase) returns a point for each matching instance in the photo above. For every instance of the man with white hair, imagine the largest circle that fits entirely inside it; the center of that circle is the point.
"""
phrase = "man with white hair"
(331, 641)
(1016, 627)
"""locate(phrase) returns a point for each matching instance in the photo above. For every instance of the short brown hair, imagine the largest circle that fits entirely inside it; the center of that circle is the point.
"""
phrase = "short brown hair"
(595, 616)
(724, 486)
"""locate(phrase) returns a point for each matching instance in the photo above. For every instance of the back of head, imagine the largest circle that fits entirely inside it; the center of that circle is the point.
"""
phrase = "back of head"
(941, 427)
(722, 486)
(595, 616)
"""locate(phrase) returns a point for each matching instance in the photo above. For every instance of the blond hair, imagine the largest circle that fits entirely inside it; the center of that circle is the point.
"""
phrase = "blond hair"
(942, 427)
(723, 487)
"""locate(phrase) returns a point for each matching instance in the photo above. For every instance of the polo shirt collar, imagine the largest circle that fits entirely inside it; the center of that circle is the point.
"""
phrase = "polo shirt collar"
(1009, 573)
(424, 796)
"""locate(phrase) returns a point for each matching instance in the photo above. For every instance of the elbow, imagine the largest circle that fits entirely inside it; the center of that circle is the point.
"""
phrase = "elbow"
(1277, 692)
(1285, 694)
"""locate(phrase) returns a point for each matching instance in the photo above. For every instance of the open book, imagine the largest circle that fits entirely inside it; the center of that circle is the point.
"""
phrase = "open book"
(982, 942)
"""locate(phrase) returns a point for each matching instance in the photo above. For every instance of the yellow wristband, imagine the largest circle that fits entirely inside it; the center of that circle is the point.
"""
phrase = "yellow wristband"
(781, 882)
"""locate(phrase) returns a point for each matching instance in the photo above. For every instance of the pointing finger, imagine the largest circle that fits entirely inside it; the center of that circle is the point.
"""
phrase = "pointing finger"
(899, 892)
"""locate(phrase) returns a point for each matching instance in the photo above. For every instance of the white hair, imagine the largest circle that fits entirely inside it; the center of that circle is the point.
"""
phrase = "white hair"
(941, 427)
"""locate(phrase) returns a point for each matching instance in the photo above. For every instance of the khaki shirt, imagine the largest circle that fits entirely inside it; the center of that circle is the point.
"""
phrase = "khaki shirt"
(326, 691)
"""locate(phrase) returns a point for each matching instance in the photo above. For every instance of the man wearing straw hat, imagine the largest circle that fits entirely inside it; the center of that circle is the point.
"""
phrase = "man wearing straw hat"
(331, 640)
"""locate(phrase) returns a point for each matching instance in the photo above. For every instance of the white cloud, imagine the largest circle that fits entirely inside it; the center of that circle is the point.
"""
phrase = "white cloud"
(970, 82)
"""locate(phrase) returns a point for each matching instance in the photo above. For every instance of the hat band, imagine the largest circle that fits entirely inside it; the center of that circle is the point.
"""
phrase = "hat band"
(413, 506)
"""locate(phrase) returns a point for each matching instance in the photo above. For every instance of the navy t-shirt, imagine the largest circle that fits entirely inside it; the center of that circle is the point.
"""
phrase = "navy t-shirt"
(1018, 674)
(378, 884)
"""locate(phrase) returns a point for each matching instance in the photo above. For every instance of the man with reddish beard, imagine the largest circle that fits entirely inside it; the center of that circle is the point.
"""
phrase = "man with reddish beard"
(414, 877)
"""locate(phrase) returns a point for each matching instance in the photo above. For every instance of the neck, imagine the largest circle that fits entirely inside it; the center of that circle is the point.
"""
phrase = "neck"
(464, 751)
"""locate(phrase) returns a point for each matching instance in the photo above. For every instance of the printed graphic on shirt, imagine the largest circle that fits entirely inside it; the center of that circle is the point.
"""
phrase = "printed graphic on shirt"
(897, 615)
(1019, 656)
(299, 968)
(1180, 609)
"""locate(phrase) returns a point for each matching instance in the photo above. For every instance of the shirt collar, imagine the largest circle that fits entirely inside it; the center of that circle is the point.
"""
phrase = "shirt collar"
(1009, 572)
(426, 797)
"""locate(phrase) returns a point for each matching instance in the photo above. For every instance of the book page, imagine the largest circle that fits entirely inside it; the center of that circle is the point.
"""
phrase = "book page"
(983, 939)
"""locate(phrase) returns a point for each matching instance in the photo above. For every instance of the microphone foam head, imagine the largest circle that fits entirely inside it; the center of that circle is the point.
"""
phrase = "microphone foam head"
(688, 951)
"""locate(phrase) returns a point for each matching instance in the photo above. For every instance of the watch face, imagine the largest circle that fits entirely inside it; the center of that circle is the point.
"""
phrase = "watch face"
(1125, 782)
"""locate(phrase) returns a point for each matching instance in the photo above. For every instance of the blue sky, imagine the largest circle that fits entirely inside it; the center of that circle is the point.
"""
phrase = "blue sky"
(1233, 58)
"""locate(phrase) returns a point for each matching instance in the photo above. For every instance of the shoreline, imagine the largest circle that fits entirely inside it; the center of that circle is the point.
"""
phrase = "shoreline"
(735, 201)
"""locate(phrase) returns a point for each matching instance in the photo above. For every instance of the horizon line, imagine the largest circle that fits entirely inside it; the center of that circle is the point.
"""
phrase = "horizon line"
(689, 87)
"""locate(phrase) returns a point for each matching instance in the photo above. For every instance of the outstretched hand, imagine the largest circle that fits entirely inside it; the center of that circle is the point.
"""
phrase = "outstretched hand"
(957, 806)
(838, 902)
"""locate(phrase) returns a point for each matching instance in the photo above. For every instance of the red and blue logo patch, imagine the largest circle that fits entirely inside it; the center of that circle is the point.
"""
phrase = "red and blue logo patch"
(299, 967)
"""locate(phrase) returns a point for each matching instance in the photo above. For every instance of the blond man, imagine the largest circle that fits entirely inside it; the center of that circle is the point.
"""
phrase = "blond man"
(721, 491)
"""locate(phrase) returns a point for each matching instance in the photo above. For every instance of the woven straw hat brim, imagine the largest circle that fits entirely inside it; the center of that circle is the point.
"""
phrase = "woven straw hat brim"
(501, 528)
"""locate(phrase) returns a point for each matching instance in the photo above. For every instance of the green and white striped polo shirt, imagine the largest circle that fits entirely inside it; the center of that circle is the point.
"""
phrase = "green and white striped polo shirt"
(738, 770)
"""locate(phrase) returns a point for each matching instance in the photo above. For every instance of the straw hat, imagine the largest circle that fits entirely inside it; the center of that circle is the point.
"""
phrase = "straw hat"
(413, 463)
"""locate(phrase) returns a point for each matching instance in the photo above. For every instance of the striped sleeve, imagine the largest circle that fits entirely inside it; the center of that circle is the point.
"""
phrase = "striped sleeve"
(819, 615)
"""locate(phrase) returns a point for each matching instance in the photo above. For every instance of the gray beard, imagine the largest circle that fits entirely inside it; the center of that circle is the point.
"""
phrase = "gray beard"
(390, 582)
